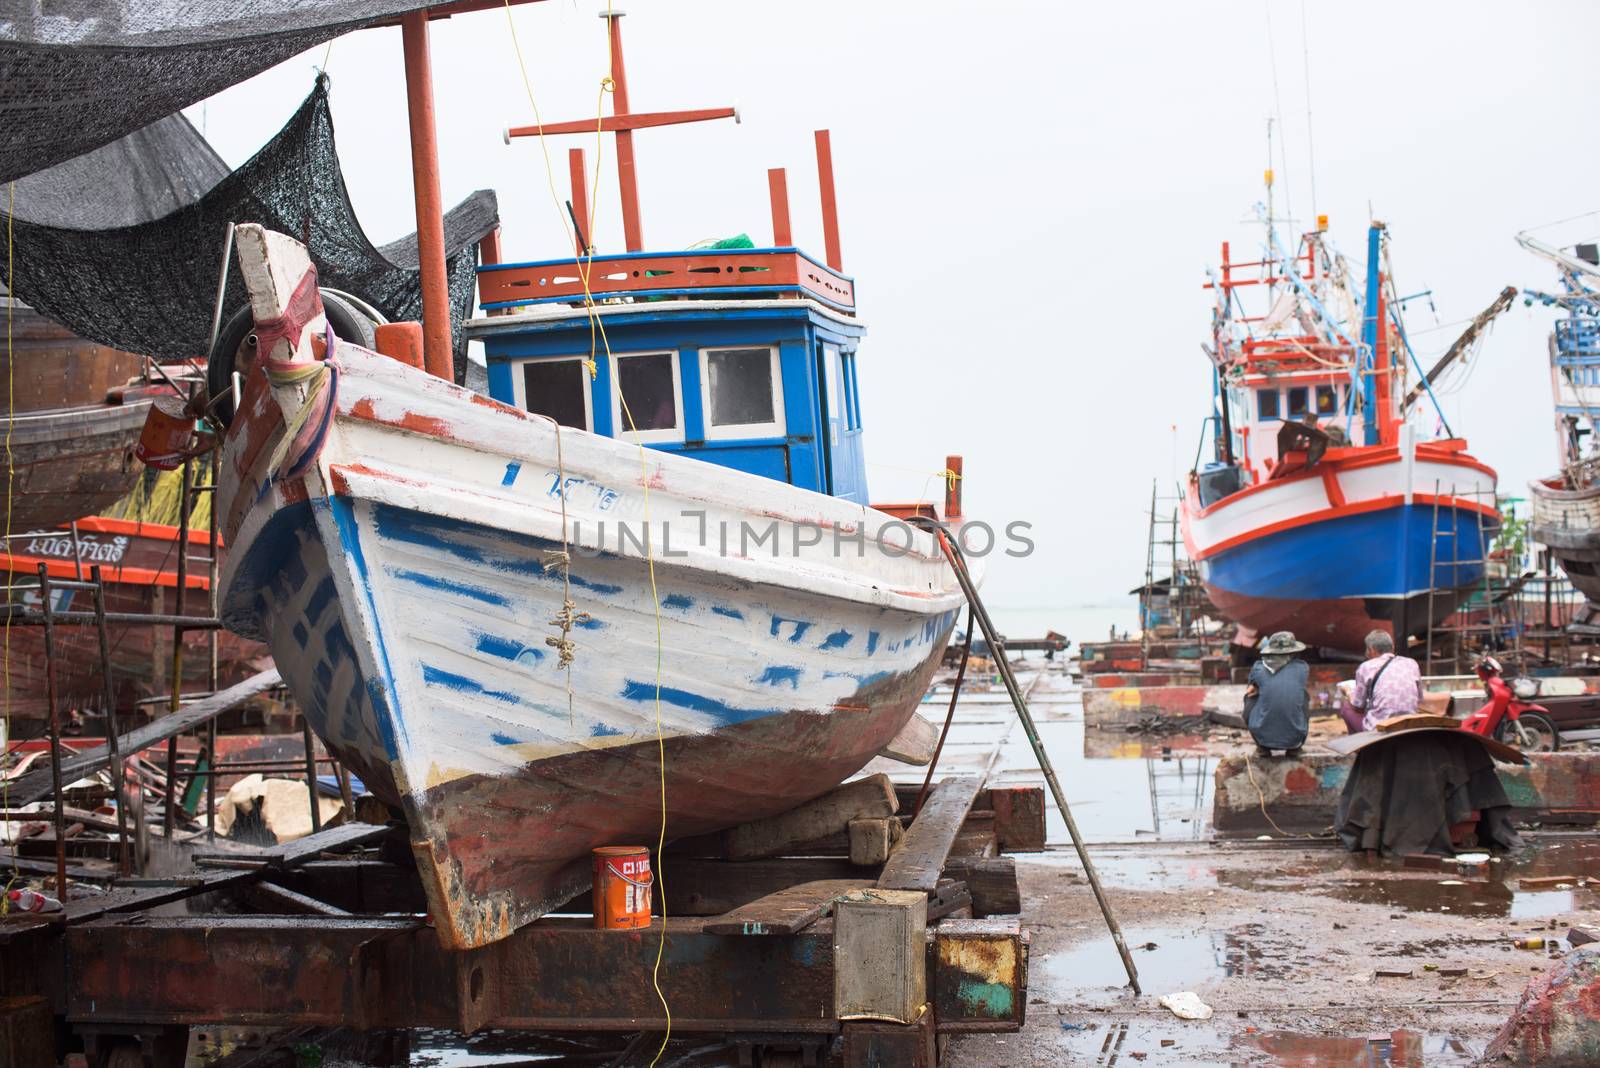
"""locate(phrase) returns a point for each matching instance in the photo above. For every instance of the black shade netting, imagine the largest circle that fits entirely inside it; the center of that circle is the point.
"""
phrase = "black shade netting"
(150, 287)
(78, 74)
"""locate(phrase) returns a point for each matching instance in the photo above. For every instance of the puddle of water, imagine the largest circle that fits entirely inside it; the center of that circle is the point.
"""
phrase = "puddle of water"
(1115, 1044)
(1168, 959)
(1495, 894)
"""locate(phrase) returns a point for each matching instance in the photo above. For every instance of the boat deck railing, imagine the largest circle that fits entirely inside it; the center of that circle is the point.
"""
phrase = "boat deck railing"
(712, 273)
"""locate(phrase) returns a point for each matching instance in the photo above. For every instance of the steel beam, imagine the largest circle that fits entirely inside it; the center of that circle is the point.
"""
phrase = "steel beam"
(556, 974)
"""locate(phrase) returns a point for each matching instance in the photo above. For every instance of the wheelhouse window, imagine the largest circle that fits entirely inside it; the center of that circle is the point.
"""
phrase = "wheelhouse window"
(852, 398)
(833, 397)
(646, 405)
(1297, 402)
(559, 389)
(1327, 401)
(742, 392)
(1266, 404)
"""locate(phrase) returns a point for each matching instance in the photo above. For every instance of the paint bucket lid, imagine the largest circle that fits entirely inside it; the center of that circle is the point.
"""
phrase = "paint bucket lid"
(619, 851)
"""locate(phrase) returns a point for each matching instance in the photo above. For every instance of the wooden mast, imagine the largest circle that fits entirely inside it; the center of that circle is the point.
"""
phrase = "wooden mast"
(622, 122)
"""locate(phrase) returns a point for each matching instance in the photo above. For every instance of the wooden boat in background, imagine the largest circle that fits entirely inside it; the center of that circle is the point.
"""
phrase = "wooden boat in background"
(78, 410)
(1566, 505)
(139, 564)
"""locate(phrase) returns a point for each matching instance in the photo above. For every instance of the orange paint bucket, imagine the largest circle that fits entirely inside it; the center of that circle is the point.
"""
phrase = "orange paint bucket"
(622, 884)
(168, 435)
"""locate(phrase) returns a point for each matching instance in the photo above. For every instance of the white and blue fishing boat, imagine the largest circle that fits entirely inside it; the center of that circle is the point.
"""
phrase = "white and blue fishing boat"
(640, 582)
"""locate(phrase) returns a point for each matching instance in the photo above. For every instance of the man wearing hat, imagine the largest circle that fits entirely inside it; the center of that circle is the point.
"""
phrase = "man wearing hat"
(1280, 716)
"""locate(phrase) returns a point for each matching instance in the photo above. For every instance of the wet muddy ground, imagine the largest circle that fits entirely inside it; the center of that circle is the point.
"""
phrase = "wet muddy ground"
(1307, 956)
(1291, 942)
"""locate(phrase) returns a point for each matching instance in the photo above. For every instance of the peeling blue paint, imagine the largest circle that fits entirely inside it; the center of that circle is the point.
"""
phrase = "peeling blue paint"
(502, 739)
(800, 627)
(775, 675)
(507, 648)
(676, 600)
(319, 600)
(511, 473)
(837, 640)
(461, 684)
(694, 702)
(724, 610)
(872, 642)
(444, 585)
(600, 730)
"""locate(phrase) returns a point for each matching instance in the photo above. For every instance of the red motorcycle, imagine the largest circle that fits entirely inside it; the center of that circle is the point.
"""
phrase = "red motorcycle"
(1508, 716)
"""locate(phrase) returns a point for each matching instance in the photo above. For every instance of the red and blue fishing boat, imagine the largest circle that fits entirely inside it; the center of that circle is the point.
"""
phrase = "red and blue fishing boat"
(637, 590)
(1327, 509)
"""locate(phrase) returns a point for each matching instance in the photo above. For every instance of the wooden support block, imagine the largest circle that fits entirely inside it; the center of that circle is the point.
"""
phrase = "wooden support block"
(920, 858)
(976, 838)
(787, 911)
(1018, 817)
(27, 1033)
(696, 887)
(992, 882)
(980, 975)
(870, 1044)
(829, 814)
(914, 744)
(880, 955)
(950, 899)
(872, 840)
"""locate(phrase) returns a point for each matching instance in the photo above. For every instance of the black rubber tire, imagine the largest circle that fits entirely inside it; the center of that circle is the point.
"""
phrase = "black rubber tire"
(1535, 723)
(348, 322)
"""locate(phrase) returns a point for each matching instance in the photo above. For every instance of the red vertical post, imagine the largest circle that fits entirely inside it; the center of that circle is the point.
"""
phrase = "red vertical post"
(578, 167)
(627, 179)
(430, 209)
(952, 487)
(1387, 430)
(778, 189)
(830, 205)
(489, 248)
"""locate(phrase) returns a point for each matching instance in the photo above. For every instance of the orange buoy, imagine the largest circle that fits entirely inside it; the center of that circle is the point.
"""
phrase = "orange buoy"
(622, 884)
(168, 435)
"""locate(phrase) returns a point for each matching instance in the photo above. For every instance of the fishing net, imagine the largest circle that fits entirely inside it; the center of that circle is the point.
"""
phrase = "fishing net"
(78, 74)
(148, 287)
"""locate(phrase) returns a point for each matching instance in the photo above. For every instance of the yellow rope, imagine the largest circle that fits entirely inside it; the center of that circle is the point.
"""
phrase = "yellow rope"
(597, 333)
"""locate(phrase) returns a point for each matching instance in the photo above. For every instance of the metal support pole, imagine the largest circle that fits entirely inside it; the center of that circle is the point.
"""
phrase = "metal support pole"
(436, 350)
(113, 744)
(213, 604)
(311, 771)
(57, 788)
(1003, 666)
(169, 811)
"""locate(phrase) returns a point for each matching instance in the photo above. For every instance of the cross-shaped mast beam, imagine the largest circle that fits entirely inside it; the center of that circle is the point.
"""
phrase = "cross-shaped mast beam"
(621, 124)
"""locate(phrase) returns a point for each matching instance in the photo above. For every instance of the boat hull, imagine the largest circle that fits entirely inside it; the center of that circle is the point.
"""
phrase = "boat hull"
(138, 563)
(406, 579)
(1567, 521)
(1349, 550)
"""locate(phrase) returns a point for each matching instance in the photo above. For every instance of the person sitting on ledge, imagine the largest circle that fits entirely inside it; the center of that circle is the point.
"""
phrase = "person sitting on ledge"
(1280, 717)
(1386, 685)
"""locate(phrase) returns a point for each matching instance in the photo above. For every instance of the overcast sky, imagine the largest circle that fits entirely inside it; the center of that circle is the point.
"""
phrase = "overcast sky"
(1030, 194)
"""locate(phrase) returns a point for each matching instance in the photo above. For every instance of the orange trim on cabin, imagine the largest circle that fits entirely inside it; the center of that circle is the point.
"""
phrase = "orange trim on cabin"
(96, 524)
(683, 270)
(130, 576)
(1377, 504)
